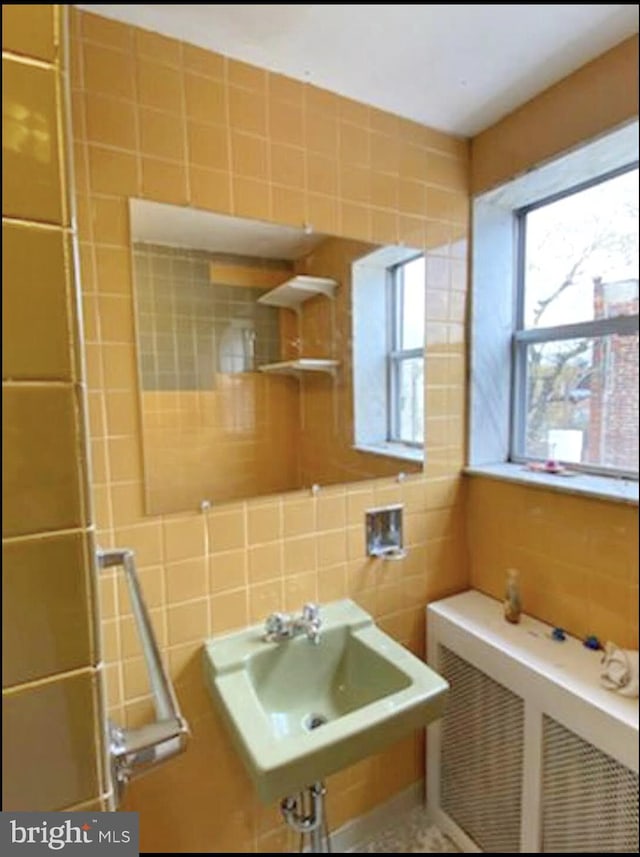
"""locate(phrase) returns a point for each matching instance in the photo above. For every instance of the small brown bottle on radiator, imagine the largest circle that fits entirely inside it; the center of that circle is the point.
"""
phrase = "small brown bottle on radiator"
(512, 601)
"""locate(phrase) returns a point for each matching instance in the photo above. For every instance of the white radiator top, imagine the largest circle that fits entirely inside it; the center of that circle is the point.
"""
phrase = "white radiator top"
(569, 664)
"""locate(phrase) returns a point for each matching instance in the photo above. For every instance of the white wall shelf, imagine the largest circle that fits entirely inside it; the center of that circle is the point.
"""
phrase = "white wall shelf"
(301, 366)
(293, 292)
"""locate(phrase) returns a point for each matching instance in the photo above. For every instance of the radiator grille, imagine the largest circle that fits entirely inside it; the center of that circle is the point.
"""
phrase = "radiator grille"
(589, 800)
(481, 756)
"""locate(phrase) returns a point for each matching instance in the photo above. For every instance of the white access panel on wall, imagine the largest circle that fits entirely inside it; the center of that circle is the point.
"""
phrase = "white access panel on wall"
(532, 754)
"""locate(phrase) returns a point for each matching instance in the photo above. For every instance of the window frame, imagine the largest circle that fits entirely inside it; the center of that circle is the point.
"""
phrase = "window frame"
(523, 337)
(395, 354)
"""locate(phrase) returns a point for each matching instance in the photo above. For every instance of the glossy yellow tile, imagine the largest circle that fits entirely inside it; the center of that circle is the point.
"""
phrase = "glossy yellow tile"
(321, 134)
(288, 206)
(228, 611)
(226, 530)
(108, 71)
(110, 219)
(384, 190)
(287, 166)
(161, 135)
(208, 145)
(210, 189)
(35, 328)
(184, 538)
(45, 627)
(29, 30)
(385, 154)
(227, 570)
(264, 522)
(187, 622)
(411, 196)
(159, 86)
(106, 32)
(299, 555)
(203, 62)
(331, 512)
(116, 323)
(205, 99)
(298, 517)
(251, 198)
(384, 227)
(247, 76)
(165, 181)
(300, 589)
(247, 111)
(41, 474)
(354, 144)
(53, 721)
(265, 598)
(286, 123)
(158, 47)
(146, 541)
(355, 221)
(126, 505)
(186, 580)
(355, 183)
(249, 156)
(413, 162)
(113, 172)
(449, 172)
(30, 152)
(120, 369)
(265, 562)
(286, 89)
(111, 122)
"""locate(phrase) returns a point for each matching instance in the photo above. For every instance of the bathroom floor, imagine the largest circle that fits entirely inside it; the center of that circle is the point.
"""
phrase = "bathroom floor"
(411, 834)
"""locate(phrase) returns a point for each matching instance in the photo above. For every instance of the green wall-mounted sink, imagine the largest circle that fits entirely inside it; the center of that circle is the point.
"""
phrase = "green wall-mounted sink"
(299, 712)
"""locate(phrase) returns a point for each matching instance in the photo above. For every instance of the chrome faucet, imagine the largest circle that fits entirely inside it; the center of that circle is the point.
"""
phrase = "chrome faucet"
(281, 626)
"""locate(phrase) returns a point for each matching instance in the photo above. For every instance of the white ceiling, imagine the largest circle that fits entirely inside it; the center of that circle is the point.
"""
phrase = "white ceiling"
(176, 226)
(458, 68)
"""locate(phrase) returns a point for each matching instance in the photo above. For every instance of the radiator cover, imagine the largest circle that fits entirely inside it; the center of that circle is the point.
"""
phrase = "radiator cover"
(532, 754)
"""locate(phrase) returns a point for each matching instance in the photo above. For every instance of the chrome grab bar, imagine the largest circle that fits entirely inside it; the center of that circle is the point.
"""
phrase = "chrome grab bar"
(134, 751)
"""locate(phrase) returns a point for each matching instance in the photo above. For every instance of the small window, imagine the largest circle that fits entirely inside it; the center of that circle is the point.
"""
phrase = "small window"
(388, 310)
(406, 352)
(575, 392)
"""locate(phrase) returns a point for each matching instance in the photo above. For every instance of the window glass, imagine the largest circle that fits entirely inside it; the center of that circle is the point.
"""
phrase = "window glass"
(582, 401)
(406, 356)
(411, 400)
(577, 248)
(412, 327)
(576, 390)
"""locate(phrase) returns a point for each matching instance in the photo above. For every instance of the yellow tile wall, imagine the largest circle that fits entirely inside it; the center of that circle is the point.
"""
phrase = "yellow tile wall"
(52, 700)
(578, 556)
(595, 99)
(167, 121)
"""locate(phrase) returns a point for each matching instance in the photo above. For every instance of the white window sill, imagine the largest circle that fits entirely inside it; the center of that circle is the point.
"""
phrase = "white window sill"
(618, 490)
(393, 450)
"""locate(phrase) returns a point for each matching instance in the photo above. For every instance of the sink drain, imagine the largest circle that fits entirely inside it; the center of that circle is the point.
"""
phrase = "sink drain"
(313, 721)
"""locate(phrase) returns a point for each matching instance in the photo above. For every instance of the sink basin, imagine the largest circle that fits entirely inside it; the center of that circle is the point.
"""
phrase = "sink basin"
(299, 712)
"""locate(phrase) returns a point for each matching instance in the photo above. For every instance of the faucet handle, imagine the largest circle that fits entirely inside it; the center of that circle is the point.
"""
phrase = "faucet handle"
(311, 612)
(275, 624)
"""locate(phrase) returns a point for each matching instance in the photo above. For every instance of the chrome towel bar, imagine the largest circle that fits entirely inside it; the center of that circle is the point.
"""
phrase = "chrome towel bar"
(134, 751)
